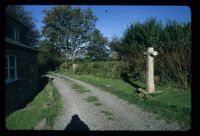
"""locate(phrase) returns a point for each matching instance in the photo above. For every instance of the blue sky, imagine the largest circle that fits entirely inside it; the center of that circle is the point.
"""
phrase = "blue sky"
(117, 18)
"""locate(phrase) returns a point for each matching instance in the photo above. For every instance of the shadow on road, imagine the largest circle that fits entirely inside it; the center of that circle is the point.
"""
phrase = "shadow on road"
(76, 124)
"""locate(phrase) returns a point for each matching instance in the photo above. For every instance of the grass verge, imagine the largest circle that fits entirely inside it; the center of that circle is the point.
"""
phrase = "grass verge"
(91, 99)
(79, 89)
(46, 105)
(173, 104)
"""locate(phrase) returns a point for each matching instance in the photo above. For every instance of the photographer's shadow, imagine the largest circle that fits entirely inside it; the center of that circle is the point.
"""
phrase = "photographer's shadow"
(76, 124)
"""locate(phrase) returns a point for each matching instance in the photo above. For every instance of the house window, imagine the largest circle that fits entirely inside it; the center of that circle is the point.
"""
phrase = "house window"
(15, 34)
(10, 69)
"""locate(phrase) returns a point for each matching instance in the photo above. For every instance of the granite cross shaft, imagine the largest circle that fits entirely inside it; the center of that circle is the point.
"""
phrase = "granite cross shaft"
(150, 86)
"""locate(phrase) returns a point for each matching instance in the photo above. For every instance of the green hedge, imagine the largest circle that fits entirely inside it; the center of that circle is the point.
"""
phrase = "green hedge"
(172, 66)
(111, 69)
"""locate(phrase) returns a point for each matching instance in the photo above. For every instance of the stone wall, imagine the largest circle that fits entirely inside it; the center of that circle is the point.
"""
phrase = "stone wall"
(19, 92)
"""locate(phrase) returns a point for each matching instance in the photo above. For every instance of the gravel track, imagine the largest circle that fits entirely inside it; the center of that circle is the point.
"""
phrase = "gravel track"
(124, 116)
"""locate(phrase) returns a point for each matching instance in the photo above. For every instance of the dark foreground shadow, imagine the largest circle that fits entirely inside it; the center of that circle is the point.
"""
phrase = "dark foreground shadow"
(125, 77)
(76, 124)
(13, 104)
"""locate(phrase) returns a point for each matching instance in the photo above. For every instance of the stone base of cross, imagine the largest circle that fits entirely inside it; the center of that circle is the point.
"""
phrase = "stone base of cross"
(150, 86)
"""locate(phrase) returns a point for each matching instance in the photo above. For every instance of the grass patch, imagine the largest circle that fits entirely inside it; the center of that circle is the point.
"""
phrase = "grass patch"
(173, 104)
(91, 99)
(110, 118)
(79, 89)
(46, 104)
(106, 113)
(98, 104)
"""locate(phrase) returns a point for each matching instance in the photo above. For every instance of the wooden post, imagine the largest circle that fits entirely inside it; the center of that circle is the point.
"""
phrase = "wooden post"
(150, 70)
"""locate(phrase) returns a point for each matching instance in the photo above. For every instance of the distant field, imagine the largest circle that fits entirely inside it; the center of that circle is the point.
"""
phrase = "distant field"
(173, 104)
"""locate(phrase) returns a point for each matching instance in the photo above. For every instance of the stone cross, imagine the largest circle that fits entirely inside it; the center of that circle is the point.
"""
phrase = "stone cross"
(150, 69)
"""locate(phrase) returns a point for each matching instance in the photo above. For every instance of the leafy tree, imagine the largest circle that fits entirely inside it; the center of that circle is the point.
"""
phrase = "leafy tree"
(68, 28)
(137, 37)
(116, 47)
(187, 31)
(97, 48)
(81, 52)
(152, 33)
(175, 32)
(19, 13)
(172, 41)
(48, 57)
(115, 44)
(146, 34)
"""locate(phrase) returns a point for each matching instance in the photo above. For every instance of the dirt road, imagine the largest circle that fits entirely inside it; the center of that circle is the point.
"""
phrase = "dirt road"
(109, 112)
